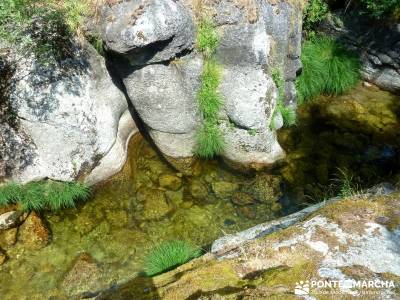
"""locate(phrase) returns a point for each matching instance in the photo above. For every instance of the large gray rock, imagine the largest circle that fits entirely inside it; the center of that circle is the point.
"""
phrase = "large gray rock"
(148, 31)
(65, 119)
(283, 22)
(164, 95)
(163, 86)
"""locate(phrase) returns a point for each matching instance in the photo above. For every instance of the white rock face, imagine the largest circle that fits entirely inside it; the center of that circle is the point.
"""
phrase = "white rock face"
(71, 120)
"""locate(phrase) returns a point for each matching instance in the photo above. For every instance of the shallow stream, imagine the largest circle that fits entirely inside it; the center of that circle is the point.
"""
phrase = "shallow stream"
(149, 202)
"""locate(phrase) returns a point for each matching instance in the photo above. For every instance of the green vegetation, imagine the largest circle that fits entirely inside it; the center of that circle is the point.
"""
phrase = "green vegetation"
(315, 12)
(328, 68)
(207, 38)
(379, 8)
(210, 141)
(347, 187)
(168, 256)
(44, 27)
(288, 113)
(40, 195)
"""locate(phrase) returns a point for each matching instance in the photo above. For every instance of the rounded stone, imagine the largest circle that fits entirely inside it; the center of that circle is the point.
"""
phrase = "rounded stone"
(170, 182)
(240, 198)
(33, 233)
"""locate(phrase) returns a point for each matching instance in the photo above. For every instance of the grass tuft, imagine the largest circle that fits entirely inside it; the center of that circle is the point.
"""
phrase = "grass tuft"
(208, 97)
(40, 195)
(207, 38)
(168, 256)
(210, 140)
(328, 68)
(346, 183)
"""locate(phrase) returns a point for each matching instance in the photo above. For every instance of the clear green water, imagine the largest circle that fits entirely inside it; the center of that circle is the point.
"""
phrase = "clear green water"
(134, 211)
(127, 216)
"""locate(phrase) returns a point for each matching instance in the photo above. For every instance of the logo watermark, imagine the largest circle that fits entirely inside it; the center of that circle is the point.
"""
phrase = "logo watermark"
(348, 286)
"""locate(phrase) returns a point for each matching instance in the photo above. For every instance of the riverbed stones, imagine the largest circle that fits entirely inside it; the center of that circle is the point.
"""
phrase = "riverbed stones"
(8, 237)
(241, 199)
(266, 188)
(224, 189)
(34, 233)
(154, 204)
(170, 182)
(83, 276)
(198, 189)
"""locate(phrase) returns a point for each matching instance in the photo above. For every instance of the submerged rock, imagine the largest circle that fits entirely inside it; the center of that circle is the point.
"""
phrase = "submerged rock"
(266, 188)
(8, 237)
(198, 189)
(83, 276)
(154, 204)
(34, 233)
(241, 199)
(170, 182)
(224, 189)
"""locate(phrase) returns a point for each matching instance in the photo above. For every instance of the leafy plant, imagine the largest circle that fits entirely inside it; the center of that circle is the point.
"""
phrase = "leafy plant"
(210, 141)
(379, 8)
(328, 68)
(169, 255)
(288, 113)
(314, 12)
(40, 195)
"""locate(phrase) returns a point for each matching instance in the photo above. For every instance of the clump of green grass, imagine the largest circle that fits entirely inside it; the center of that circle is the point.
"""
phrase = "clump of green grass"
(41, 195)
(346, 183)
(210, 140)
(207, 38)
(288, 113)
(208, 97)
(328, 68)
(168, 256)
